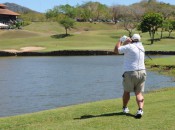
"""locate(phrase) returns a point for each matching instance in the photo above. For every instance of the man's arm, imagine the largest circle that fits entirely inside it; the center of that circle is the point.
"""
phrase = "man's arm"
(117, 46)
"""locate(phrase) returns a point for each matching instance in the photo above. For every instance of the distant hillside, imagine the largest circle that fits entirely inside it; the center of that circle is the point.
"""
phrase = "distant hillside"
(17, 8)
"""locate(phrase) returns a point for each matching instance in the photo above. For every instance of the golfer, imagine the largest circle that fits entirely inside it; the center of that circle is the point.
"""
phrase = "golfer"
(134, 75)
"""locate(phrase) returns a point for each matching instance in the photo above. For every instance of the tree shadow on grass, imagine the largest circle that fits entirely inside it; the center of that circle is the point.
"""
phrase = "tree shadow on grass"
(155, 39)
(59, 36)
(148, 42)
(105, 115)
(171, 37)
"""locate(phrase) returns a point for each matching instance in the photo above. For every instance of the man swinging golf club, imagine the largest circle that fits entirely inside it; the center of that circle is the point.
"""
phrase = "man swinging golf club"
(134, 75)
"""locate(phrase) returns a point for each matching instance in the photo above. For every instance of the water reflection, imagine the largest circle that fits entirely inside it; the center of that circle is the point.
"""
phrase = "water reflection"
(39, 83)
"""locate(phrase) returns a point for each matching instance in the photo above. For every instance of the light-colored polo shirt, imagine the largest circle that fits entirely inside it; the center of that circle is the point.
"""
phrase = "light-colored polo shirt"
(133, 56)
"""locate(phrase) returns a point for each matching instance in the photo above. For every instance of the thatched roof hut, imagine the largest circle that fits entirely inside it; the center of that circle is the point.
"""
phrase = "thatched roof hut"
(7, 15)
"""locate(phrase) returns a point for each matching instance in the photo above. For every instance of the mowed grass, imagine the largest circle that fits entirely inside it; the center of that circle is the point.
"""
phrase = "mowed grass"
(43, 36)
(101, 115)
(170, 60)
(164, 65)
(85, 36)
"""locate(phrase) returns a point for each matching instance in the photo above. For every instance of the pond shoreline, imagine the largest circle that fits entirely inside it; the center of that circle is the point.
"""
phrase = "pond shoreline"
(77, 53)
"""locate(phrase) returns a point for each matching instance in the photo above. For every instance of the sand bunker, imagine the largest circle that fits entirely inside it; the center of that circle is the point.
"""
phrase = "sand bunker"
(25, 49)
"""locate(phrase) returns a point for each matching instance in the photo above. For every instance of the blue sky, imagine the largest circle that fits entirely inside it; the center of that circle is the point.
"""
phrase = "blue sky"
(44, 5)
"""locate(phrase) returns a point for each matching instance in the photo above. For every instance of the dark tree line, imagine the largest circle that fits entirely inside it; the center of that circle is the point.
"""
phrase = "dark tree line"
(147, 15)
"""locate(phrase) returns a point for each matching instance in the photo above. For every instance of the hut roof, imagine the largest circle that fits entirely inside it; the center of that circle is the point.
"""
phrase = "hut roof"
(2, 6)
(5, 11)
(8, 12)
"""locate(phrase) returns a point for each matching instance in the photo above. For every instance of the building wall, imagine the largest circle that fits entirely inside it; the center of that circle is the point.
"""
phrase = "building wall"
(7, 18)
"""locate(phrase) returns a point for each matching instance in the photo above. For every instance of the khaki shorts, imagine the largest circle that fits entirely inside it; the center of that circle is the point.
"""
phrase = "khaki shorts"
(134, 81)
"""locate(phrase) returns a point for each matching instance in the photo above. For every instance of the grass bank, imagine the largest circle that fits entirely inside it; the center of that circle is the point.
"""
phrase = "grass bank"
(101, 115)
(85, 36)
(164, 65)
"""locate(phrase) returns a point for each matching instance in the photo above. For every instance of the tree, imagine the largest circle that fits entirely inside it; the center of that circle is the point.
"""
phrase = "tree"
(116, 12)
(52, 14)
(165, 9)
(137, 11)
(95, 10)
(150, 23)
(129, 26)
(59, 11)
(156, 6)
(84, 14)
(67, 23)
(166, 26)
(67, 10)
(169, 26)
(101, 10)
(18, 24)
(130, 19)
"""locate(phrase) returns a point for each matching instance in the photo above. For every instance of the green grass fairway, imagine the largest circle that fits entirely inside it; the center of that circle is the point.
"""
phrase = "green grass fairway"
(85, 36)
(102, 115)
(170, 60)
(164, 65)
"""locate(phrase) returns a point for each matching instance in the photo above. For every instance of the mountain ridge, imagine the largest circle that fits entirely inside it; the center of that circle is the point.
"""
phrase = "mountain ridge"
(18, 8)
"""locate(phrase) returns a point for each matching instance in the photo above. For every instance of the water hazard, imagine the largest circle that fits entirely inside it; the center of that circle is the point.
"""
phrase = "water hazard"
(30, 84)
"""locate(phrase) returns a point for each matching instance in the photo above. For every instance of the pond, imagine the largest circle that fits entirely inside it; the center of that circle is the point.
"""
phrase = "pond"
(30, 84)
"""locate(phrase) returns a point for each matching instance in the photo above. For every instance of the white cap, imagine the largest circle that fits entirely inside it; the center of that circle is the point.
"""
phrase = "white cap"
(136, 37)
(124, 38)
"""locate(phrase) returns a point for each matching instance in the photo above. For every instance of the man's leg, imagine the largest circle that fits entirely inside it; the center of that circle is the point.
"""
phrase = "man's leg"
(141, 77)
(126, 97)
(139, 100)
